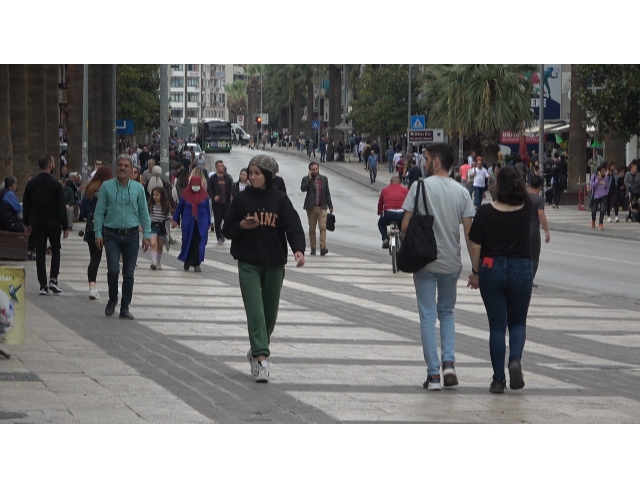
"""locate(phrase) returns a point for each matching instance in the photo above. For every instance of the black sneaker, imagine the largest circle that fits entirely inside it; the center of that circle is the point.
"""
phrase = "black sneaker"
(53, 286)
(432, 383)
(43, 291)
(449, 374)
(498, 386)
(324, 251)
(125, 314)
(516, 380)
(313, 252)
(110, 308)
(385, 244)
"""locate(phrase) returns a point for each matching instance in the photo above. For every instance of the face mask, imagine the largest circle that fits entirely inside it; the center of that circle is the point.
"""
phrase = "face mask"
(195, 189)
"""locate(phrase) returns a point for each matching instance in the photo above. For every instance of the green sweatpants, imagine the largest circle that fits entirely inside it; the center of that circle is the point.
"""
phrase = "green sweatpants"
(260, 286)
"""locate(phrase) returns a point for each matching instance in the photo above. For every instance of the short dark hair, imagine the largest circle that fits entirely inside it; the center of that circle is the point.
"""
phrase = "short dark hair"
(221, 162)
(9, 181)
(313, 164)
(536, 182)
(43, 161)
(510, 187)
(444, 152)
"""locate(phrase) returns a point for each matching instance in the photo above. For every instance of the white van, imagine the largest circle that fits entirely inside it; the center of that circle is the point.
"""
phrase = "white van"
(240, 134)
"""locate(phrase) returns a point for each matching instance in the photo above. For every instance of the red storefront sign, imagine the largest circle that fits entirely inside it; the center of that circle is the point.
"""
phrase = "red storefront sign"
(507, 137)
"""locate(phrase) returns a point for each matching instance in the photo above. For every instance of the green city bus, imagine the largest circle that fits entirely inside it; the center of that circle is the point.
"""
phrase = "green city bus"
(214, 135)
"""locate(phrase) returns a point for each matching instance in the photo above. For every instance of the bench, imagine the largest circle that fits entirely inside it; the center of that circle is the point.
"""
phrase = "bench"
(13, 245)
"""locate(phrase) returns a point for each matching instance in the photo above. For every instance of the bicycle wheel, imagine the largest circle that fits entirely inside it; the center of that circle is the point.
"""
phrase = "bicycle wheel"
(394, 254)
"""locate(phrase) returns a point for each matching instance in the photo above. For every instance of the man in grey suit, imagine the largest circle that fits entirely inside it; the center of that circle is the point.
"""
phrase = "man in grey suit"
(316, 203)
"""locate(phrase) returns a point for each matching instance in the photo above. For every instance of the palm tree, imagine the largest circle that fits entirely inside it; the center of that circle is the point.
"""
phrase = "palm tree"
(19, 129)
(36, 113)
(95, 112)
(479, 101)
(52, 110)
(108, 123)
(236, 94)
(6, 154)
(335, 101)
(253, 72)
(75, 76)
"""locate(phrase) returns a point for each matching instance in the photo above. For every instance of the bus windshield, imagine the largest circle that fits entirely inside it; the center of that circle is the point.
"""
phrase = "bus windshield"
(216, 135)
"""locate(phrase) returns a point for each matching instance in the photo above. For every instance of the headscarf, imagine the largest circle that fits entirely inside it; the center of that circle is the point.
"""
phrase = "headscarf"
(267, 165)
(156, 179)
(194, 199)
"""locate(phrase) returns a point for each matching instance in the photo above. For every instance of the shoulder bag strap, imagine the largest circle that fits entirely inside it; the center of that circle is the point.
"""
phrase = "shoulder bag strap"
(422, 189)
(424, 196)
(415, 203)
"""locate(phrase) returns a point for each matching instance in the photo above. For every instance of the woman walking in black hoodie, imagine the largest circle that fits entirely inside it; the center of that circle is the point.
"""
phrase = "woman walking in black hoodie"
(261, 220)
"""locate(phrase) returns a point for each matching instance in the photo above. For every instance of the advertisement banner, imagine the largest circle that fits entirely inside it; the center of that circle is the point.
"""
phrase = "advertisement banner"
(12, 294)
(507, 137)
(551, 82)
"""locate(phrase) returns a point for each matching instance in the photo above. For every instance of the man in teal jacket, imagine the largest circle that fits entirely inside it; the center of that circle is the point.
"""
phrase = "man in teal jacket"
(121, 210)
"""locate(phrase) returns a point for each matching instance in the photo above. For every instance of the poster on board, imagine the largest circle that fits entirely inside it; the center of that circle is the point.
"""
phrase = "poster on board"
(550, 80)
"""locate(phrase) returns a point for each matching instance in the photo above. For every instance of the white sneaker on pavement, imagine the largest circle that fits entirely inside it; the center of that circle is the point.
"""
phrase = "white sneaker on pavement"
(254, 364)
(159, 266)
(93, 294)
(609, 219)
(263, 372)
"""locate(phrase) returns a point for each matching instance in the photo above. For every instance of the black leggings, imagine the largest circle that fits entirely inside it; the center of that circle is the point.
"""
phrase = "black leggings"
(94, 263)
(598, 204)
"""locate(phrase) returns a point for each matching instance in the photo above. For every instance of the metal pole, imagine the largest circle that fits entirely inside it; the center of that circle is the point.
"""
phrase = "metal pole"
(261, 73)
(409, 115)
(85, 125)
(164, 122)
(541, 137)
(114, 137)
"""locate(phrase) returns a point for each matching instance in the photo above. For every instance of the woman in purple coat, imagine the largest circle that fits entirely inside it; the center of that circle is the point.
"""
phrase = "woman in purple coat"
(194, 212)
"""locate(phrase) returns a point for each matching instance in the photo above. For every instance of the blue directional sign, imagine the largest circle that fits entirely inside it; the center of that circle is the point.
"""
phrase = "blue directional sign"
(418, 122)
(315, 124)
(124, 127)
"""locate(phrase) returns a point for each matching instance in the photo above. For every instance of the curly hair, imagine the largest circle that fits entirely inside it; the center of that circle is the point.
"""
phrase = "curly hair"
(510, 187)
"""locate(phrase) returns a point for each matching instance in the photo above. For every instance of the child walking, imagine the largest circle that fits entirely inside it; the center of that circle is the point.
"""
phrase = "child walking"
(160, 212)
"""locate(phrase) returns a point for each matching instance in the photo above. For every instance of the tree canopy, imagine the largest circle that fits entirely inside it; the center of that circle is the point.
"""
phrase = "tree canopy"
(139, 95)
(614, 107)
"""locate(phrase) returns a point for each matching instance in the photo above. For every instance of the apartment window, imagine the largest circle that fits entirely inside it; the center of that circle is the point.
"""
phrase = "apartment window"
(193, 81)
(193, 97)
(176, 67)
(208, 99)
(175, 96)
(193, 112)
(176, 113)
(192, 67)
(177, 82)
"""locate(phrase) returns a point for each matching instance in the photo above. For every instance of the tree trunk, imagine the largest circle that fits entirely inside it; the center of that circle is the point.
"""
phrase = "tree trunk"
(284, 113)
(74, 114)
(309, 128)
(297, 109)
(19, 130)
(335, 92)
(6, 153)
(577, 163)
(455, 142)
(53, 112)
(96, 103)
(36, 114)
(108, 122)
(615, 150)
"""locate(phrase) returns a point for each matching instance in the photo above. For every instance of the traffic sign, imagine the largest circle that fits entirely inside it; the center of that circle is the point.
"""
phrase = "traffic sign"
(124, 127)
(421, 136)
(265, 118)
(315, 124)
(418, 122)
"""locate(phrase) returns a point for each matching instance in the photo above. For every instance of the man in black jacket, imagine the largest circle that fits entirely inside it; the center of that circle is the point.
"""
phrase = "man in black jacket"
(45, 215)
(316, 203)
(220, 189)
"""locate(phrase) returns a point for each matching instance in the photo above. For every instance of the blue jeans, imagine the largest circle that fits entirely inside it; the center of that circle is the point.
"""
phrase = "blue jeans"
(116, 244)
(428, 307)
(386, 219)
(506, 292)
(478, 195)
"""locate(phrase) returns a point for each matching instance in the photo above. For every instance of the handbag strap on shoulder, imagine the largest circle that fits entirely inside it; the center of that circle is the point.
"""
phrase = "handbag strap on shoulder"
(423, 189)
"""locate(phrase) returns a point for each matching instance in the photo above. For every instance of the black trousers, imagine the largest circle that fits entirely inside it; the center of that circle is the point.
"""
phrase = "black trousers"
(536, 244)
(220, 215)
(96, 257)
(41, 235)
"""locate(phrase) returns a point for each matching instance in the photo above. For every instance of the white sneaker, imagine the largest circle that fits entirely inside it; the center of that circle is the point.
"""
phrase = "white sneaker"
(617, 219)
(609, 219)
(153, 266)
(159, 266)
(93, 294)
(263, 372)
(254, 364)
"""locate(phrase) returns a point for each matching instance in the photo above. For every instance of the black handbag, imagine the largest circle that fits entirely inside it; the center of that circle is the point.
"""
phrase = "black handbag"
(419, 246)
(331, 222)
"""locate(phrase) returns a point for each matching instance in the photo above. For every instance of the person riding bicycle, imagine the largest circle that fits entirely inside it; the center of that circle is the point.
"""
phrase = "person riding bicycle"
(390, 207)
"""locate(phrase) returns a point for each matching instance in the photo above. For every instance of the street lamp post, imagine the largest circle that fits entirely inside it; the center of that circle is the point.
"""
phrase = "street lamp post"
(409, 114)
(85, 124)
(541, 119)
(164, 122)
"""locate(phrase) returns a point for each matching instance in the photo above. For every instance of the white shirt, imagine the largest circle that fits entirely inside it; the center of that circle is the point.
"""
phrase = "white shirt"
(396, 158)
(480, 176)
(470, 160)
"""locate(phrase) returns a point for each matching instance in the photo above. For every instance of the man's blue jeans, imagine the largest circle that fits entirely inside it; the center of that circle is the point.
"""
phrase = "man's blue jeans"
(386, 219)
(429, 308)
(478, 195)
(506, 292)
(116, 244)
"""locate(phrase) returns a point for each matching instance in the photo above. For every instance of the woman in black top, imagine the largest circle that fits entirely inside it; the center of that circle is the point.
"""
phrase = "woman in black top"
(503, 270)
